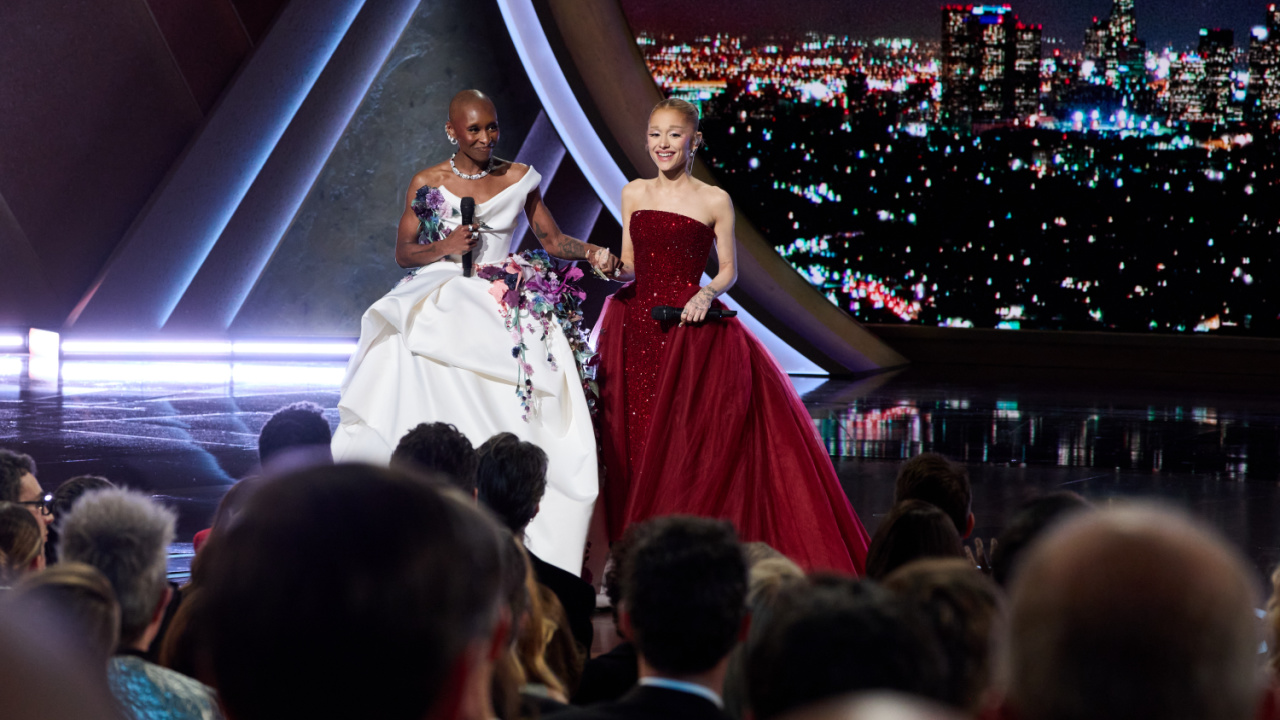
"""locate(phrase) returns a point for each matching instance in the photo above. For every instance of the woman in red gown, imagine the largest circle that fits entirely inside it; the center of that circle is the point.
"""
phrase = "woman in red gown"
(697, 417)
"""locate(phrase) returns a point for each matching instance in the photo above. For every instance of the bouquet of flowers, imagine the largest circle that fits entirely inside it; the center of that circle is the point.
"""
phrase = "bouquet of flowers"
(428, 205)
(533, 293)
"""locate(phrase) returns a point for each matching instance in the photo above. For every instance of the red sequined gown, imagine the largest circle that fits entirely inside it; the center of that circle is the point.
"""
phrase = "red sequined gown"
(700, 420)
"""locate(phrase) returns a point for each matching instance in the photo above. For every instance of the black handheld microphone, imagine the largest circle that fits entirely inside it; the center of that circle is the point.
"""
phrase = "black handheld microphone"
(468, 208)
(666, 313)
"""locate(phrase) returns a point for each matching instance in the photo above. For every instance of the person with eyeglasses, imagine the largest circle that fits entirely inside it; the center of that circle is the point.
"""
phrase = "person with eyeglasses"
(18, 484)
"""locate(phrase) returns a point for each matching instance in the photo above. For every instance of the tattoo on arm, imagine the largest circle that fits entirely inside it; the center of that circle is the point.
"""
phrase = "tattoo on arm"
(564, 247)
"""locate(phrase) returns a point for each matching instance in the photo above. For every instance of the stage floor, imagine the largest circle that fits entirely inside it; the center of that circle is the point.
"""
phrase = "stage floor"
(183, 431)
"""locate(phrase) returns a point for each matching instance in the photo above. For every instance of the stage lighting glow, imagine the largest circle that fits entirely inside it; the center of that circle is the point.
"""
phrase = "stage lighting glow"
(321, 349)
(318, 375)
(11, 341)
(10, 366)
(43, 343)
(148, 372)
(171, 348)
(209, 348)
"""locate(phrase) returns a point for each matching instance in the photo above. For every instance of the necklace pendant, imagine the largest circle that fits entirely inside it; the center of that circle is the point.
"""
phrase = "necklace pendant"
(465, 176)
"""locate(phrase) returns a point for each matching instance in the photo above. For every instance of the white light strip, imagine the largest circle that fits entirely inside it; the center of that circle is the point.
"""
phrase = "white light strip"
(324, 349)
(583, 142)
(561, 105)
(12, 342)
(188, 348)
(207, 348)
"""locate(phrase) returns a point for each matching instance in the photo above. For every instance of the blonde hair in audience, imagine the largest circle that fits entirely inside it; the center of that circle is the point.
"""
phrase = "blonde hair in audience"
(530, 649)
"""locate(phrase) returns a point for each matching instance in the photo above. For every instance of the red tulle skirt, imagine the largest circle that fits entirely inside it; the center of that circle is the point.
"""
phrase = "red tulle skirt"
(716, 430)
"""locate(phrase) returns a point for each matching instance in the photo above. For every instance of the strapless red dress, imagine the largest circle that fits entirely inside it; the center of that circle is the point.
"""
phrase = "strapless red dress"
(700, 420)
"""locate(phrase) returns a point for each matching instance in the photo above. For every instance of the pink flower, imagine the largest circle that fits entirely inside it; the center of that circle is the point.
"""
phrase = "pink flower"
(575, 273)
(498, 289)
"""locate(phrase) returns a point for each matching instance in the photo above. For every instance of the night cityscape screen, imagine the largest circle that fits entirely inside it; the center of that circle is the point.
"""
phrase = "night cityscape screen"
(984, 168)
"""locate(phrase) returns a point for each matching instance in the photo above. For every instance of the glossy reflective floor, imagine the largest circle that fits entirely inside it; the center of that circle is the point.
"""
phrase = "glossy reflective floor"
(184, 430)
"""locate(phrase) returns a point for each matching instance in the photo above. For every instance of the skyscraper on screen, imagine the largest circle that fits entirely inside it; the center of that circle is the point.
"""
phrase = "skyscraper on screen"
(990, 65)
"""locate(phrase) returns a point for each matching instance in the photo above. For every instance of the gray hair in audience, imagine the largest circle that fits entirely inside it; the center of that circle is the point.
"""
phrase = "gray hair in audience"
(126, 536)
(1133, 612)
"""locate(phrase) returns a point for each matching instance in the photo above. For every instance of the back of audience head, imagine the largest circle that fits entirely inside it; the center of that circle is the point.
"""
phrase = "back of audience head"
(685, 592)
(126, 536)
(44, 676)
(511, 478)
(874, 706)
(769, 574)
(938, 481)
(964, 608)
(1132, 612)
(18, 484)
(439, 448)
(914, 529)
(615, 579)
(834, 636)
(78, 597)
(21, 547)
(1030, 521)
(64, 496)
(392, 617)
(295, 433)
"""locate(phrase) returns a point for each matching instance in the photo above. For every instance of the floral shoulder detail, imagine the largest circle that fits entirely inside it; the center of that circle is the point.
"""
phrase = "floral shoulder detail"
(533, 292)
(431, 208)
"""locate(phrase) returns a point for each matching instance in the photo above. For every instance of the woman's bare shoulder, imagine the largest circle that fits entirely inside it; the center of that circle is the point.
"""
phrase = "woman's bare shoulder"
(513, 170)
(433, 176)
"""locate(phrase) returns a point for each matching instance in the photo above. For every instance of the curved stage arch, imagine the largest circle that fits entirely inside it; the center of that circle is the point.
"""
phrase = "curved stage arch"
(589, 74)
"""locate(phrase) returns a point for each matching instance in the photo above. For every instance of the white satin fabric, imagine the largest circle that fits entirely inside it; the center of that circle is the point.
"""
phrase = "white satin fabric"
(435, 349)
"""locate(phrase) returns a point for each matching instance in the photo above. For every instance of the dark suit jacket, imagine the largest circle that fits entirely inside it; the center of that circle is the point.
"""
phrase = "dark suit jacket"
(575, 594)
(608, 677)
(649, 703)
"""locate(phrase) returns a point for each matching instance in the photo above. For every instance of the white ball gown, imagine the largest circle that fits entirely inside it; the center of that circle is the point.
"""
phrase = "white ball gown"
(441, 347)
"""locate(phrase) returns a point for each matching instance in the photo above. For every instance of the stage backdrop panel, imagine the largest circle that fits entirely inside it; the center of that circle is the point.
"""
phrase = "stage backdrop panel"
(338, 255)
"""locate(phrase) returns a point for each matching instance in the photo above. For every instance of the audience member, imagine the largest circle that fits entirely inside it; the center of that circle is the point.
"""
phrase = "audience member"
(79, 598)
(511, 478)
(565, 657)
(42, 677)
(770, 573)
(1132, 612)
(126, 536)
(505, 701)
(1028, 523)
(834, 636)
(914, 529)
(18, 485)
(439, 448)
(21, 547)
(64, 496)
(938, 481)
(1273, 627)
(684, 607)
(965, 609)
(874, 706)
(295, 435)
(607, 677)
(377, 594)
(541, 684)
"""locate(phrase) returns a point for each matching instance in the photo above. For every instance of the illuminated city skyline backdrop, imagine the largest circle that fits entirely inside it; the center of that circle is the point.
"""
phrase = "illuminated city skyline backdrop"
(1164, 22)
(986, 176)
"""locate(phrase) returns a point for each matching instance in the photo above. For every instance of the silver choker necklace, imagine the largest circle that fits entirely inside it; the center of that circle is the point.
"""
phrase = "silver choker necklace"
(465, 176)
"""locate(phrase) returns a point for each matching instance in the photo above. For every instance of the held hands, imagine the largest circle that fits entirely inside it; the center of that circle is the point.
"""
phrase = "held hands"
(695, 311)
(981, 556)
(605, 263)
(462, 240)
